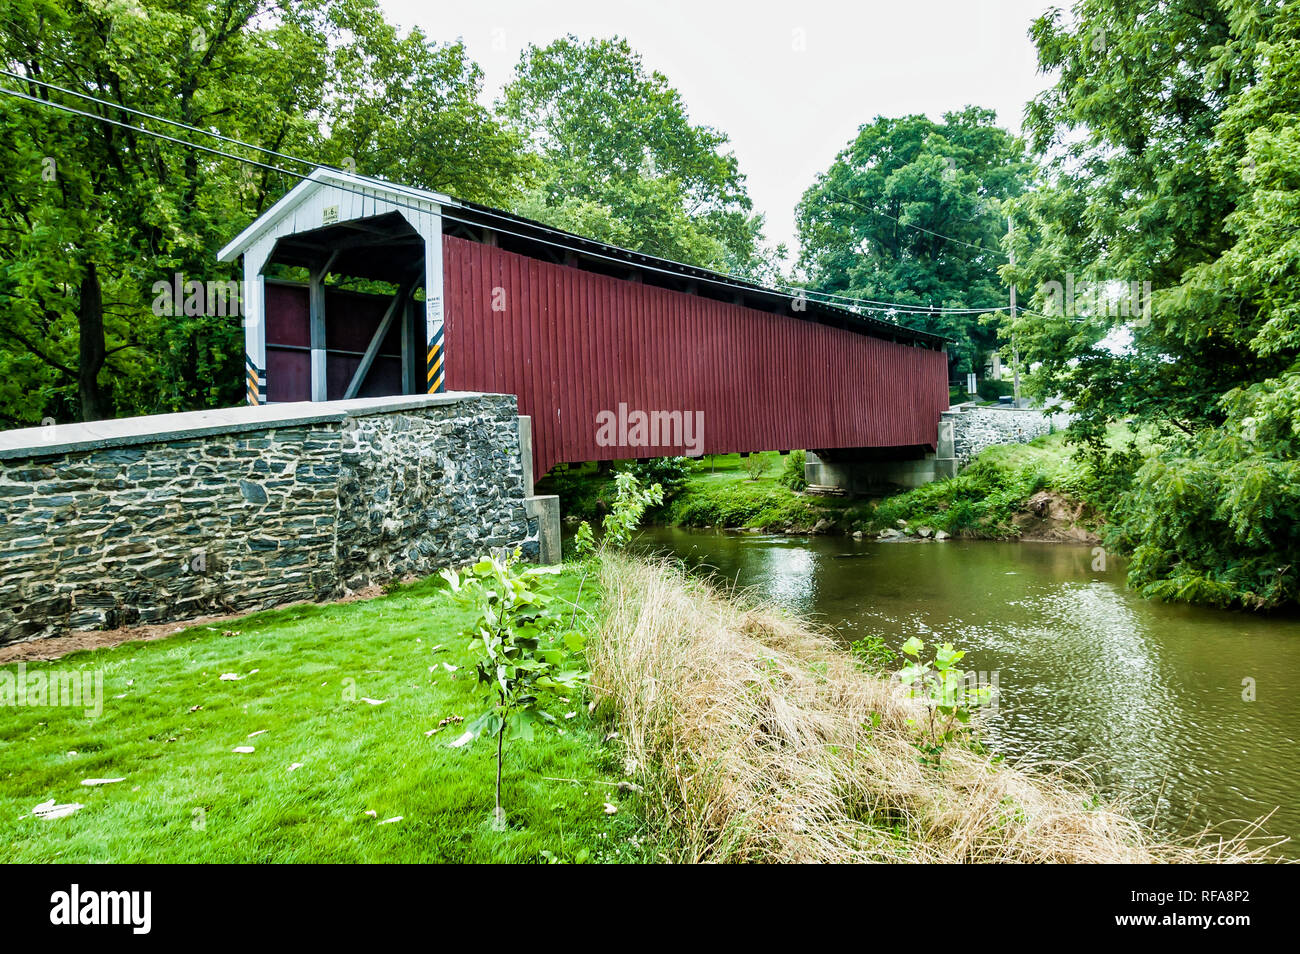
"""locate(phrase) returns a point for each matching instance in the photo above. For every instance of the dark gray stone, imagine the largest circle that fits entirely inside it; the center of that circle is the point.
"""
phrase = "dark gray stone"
(110, 532)
(253, 493)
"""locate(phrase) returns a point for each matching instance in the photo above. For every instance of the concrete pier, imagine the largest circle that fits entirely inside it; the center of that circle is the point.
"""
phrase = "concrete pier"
(869, 471)
(544, 509)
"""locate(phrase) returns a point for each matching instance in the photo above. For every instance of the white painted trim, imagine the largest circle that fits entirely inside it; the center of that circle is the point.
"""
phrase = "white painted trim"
(433, 286)
(363, 195)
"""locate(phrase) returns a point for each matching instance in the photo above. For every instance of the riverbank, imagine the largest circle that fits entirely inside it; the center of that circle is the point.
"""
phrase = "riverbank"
(716, 730)
(1030, 492)
(756, 738)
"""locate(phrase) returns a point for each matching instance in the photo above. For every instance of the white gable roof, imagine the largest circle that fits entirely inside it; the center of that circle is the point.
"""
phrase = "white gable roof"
(350, 184)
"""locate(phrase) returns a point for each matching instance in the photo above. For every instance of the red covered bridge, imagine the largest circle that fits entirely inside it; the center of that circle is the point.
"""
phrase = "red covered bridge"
(612, 354)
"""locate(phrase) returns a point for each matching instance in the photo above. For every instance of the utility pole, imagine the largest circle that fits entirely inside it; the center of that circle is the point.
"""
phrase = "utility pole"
(1015, 352)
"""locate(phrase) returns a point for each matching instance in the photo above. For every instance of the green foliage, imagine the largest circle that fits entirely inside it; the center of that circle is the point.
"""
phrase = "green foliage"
(1177, 135)
(742, 505)
(946, 693)
(584, 489)
(670, 473)
(792, 472)
(631, 501)
(1216, 519)
(947, 178)
(407, 109)
(621, 162)
(526, 656)
(95, 214)
(755, 466)
(980, 501)
(873, 652)
(584, 541)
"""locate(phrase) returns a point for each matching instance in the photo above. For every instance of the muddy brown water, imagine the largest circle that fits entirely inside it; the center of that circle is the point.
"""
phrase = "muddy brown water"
(1154, 699)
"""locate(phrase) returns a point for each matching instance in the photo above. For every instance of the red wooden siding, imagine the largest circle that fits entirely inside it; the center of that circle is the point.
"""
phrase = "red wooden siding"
(571, 344)
(350, 321)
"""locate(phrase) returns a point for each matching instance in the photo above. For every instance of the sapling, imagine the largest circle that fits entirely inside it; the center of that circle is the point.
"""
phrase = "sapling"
(526, 657)
(942, 688)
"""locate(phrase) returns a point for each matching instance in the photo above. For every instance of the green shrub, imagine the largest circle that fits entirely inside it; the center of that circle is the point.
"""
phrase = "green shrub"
(670, 473)
(1216, 518)
(792, 474)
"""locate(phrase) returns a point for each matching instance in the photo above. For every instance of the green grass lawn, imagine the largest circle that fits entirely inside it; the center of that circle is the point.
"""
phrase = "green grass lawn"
(170, 724)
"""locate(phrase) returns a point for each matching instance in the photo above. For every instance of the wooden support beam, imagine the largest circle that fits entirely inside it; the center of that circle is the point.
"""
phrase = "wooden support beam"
(316, 312)
(410, 348)
(396, 306)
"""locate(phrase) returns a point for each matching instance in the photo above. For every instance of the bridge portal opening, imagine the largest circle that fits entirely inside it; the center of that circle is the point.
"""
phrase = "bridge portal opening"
(354, 327)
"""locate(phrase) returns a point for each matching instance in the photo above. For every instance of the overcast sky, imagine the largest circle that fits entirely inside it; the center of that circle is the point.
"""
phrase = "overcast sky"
(789, 82)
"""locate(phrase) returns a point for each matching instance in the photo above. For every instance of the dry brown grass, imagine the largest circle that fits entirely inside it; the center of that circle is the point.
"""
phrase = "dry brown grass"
(752, 735)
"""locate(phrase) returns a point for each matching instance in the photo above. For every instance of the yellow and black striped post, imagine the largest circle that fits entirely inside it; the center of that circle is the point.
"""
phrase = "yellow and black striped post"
(436, 370)
(256, 381)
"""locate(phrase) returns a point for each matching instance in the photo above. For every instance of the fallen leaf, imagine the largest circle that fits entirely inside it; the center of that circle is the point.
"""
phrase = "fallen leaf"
(372, 813)
(195, 708)
(389, 821)
(374, 702)
(243, 749)
(230, 677)
(570, 715)
(253, 735)
(611, 808)
(101, 781)
(294, 766)
(51, 810)
(449, 667)
(461, 741)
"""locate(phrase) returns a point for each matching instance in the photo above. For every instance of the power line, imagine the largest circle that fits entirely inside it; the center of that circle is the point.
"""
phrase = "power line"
(153, 116)
(148, 132)
(909, 225)
(866, 304)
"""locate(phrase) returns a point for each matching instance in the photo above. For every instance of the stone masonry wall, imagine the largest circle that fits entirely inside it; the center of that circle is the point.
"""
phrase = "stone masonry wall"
(165, 529)
(975, 428)
(419, 491)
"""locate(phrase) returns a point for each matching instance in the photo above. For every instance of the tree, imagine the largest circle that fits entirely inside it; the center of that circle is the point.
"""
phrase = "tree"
(406, 109)
(1140, 188)
(621, 161)
(1175, 136)
(874, 224)
(93, 214)
(526, 656)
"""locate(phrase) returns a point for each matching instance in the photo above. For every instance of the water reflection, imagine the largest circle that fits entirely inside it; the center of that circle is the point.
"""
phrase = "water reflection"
(1148, 696)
